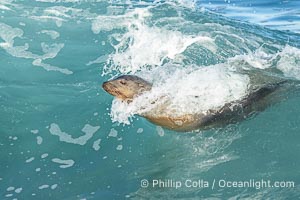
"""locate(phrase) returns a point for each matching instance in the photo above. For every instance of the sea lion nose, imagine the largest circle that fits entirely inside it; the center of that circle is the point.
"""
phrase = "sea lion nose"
(105, 85)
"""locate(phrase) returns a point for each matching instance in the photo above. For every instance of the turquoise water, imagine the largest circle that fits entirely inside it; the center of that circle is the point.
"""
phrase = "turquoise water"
(283, 15)
(61, 138)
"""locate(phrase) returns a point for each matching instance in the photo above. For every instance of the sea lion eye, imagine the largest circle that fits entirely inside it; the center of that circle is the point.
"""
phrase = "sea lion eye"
(123, 82)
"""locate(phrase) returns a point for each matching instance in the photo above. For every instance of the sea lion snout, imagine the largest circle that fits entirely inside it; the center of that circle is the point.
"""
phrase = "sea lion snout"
(110, 88)
(105, 86)
(116, 88)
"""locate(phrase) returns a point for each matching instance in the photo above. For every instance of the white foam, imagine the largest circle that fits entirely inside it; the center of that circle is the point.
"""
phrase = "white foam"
(286, 59)
(104, 23)
(60, 14)
(208, 164)
(187, 3)
(30, 160)
(45, 18)
(11, 188)
(88, 129)
(96, 114)
(101, 59)
(54, 186)
(8, 34)
(96, 145)
(160, 131)
(185, 91)
(144, 45)
(119, 147)
(58, 11)
(113, 133)
(47, 67)
(43, 187)
(45, 155)
(151, 47)
(18, 190)
(34, 131)
(64, 163)
(53, 34)
(39, 140)
(258, 59)
(140, 130)
(63, 12)
(68, 1)
(3, 7)
(289, 62)
(48, 1)
(108, 23)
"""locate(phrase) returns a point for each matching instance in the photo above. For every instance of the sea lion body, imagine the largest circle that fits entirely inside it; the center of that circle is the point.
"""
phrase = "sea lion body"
(128, 87)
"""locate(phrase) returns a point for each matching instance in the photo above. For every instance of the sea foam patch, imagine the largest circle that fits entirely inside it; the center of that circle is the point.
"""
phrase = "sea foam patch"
(53, 34)
(9, 34)
(88, 129)
(63, 163)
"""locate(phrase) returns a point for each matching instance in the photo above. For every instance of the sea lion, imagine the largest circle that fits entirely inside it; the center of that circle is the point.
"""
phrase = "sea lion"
(127, 87)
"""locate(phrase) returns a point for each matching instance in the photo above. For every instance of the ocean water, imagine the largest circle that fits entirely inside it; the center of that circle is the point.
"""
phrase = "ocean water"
(63, 137)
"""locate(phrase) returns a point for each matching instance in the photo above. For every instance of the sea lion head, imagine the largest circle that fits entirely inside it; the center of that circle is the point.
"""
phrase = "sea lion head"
(126, 87)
